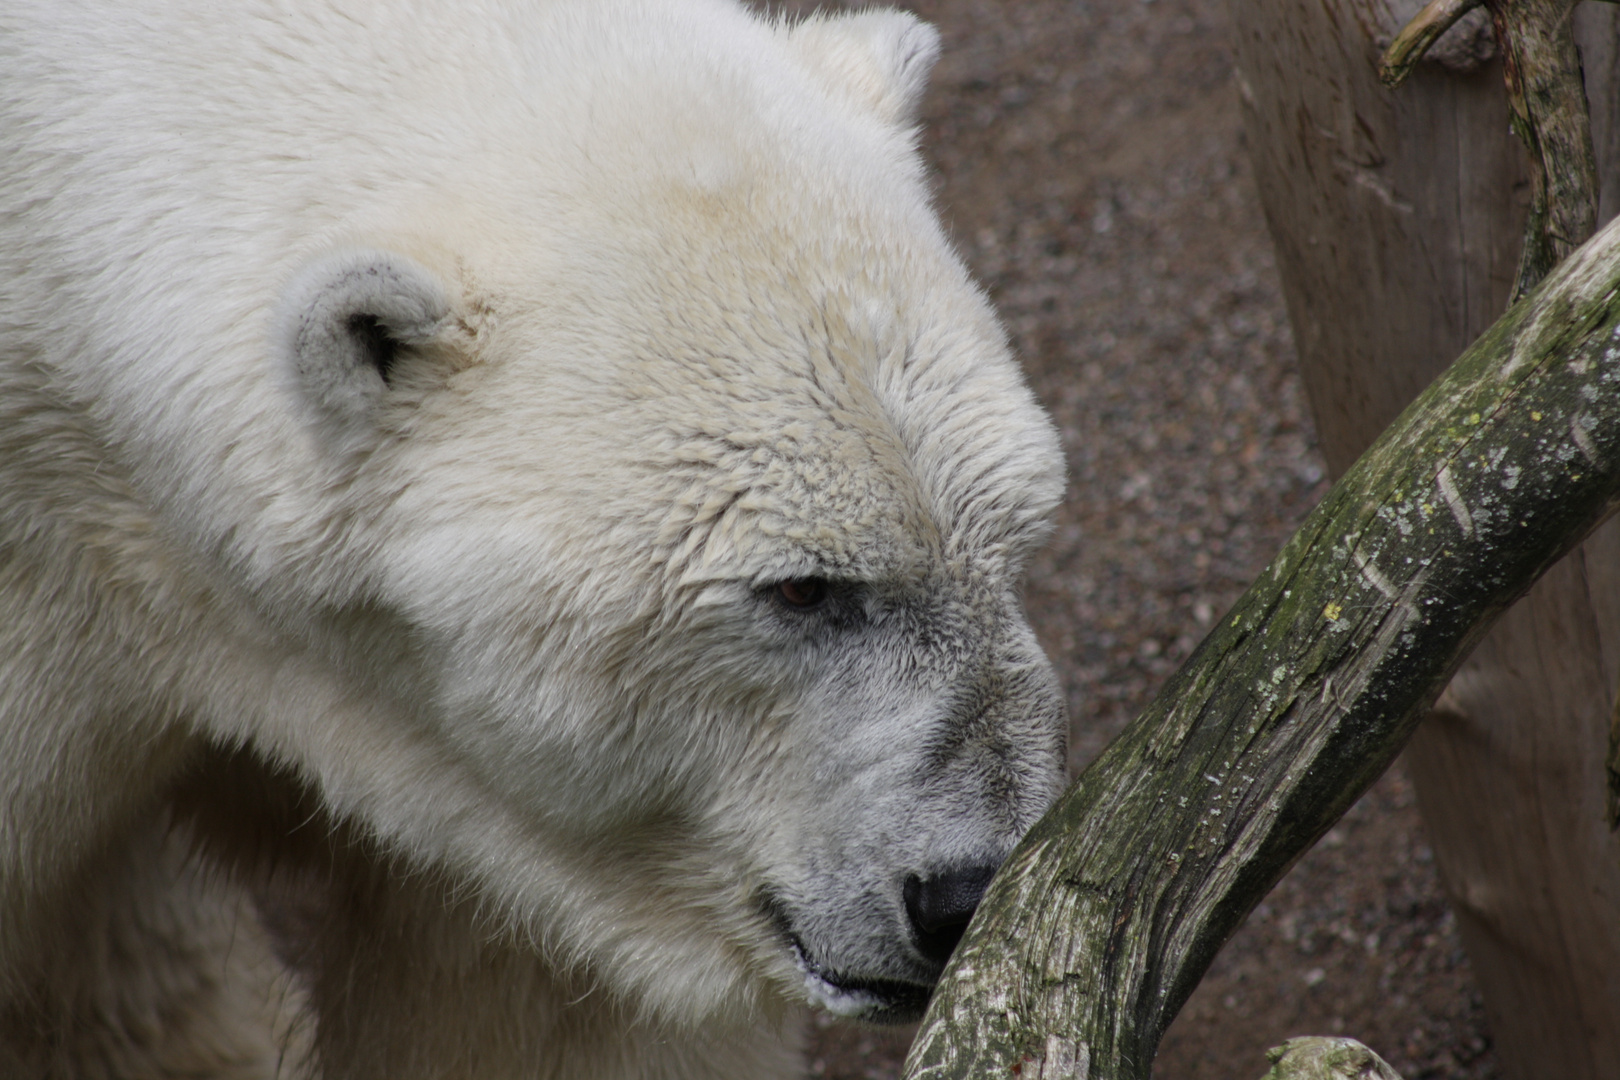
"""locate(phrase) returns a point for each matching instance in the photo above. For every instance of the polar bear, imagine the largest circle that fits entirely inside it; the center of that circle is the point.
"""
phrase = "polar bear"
(511, 526)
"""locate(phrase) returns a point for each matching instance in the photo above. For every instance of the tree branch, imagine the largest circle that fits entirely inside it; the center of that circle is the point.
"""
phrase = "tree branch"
(1546, 108)
(1414, 40)
(1105, 918)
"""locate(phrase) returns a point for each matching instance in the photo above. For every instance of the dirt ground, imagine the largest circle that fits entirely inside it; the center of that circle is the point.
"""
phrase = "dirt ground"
(1091, 164)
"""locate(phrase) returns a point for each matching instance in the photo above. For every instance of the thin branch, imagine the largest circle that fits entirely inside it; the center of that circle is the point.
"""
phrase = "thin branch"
(1414, 40)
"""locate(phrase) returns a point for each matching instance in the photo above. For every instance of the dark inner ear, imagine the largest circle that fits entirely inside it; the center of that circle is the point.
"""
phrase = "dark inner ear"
(377, 348)
(351, 324)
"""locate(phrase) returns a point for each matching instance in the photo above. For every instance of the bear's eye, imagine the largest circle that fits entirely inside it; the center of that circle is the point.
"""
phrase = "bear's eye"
(802, 593)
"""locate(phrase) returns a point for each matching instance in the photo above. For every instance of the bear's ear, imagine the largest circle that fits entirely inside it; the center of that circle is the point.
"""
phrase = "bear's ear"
(345, 323)
(880, 58)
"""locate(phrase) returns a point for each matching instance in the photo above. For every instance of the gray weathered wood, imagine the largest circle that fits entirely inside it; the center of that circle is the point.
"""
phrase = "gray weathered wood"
(1397, 218)
(1108, 913)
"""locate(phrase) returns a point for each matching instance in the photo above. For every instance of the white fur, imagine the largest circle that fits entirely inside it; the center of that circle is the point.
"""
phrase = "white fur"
(467, 687)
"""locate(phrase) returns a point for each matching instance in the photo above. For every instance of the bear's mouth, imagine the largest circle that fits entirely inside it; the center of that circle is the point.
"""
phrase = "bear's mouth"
(875, 1001)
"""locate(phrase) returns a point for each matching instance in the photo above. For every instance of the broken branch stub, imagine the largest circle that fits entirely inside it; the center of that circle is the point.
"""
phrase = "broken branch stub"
(1315, 1057)
(1106, 916)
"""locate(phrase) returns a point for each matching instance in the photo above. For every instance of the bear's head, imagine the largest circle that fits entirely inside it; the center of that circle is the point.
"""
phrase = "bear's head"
(650, 472)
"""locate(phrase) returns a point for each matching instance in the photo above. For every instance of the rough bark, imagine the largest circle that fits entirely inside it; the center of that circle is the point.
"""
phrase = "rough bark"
(1107, 915)
(1397, 218)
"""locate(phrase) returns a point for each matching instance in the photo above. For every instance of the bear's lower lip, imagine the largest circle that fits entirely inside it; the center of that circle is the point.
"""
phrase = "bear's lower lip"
(876, 1001)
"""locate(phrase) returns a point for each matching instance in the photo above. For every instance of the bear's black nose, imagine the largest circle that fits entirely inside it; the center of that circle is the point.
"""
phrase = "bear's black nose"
(941, 904)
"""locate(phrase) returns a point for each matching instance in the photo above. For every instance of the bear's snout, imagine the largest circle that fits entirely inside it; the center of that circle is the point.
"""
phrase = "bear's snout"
(940, 905)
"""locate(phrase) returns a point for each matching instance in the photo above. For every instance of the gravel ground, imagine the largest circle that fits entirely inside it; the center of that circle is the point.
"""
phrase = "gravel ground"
(1091, 165)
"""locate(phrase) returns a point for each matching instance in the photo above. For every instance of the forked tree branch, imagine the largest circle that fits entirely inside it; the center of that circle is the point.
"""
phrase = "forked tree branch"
(1105, 918)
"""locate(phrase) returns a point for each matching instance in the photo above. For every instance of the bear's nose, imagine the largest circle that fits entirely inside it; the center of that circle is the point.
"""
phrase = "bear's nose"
(940, 905)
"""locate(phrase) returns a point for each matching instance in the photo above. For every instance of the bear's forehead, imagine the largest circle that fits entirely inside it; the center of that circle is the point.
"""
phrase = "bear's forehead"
(820, 386)
(830, 436)
(765, 417)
